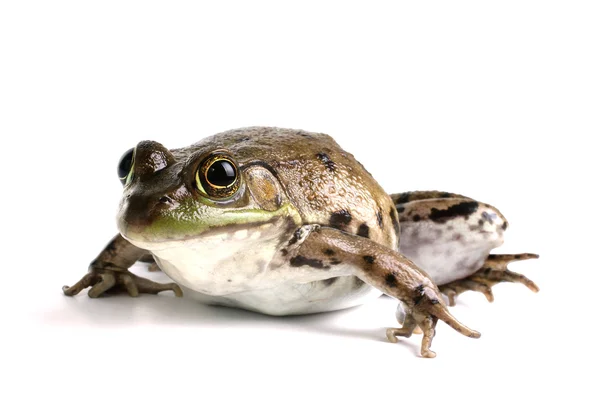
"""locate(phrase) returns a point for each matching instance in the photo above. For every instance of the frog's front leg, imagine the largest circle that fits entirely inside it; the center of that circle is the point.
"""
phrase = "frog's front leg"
(109, 272)
(385, 269)
(450, 236)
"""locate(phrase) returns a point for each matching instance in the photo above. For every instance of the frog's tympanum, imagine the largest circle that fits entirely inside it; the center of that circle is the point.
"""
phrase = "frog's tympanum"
(283, 221)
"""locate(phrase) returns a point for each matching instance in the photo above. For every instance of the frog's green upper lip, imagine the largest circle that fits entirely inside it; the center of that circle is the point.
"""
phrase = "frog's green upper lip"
(138, 235)
(168, 228)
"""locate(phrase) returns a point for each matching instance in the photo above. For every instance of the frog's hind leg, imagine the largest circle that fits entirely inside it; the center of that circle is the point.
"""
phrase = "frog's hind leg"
(494, 271)
(450, 236)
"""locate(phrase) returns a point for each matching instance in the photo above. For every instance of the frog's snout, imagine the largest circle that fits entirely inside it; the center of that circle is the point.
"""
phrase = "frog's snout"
(139, 211)
(148, 193)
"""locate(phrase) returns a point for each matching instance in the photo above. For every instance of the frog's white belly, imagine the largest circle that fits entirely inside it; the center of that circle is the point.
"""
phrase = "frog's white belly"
(290, 299)
(244, 269)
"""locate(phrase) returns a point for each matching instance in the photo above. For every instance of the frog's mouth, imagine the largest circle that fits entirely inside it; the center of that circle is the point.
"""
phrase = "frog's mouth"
(251, 231)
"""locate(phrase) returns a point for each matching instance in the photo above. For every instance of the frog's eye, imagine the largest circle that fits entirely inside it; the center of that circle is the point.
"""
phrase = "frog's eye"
(218, 176)
(125, 167)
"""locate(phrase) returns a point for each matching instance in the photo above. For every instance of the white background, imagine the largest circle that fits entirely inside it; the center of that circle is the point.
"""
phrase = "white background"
(498, 101)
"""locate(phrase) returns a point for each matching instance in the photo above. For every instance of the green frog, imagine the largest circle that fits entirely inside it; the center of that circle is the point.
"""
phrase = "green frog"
(283, 221)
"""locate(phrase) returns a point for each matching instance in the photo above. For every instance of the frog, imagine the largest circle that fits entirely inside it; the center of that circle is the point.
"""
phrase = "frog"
(285, 222)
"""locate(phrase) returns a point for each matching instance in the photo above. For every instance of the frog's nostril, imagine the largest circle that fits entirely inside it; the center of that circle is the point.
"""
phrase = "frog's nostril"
(164, 203)
(165, 200)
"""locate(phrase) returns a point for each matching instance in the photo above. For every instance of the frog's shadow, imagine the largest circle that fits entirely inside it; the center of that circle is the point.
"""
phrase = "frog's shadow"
(166, 310)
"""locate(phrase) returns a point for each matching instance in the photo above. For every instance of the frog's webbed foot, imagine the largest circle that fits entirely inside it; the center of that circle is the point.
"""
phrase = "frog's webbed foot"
(494, 270)
(112, 279)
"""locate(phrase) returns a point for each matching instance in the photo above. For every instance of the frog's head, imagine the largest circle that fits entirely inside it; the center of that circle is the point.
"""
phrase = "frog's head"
(187, 193)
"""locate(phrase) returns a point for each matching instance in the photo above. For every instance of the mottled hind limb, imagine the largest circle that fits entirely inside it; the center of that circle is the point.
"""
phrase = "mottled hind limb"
(495, 270)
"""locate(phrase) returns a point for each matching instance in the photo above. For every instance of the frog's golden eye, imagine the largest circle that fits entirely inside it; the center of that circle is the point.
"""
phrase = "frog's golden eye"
(218, 176)
(125, 167)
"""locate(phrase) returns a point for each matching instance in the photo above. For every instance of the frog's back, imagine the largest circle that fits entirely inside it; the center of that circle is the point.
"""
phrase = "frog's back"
(325, 183)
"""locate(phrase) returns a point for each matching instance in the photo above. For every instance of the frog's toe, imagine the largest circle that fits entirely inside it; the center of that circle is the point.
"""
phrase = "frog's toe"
(150, 261)
(153, 267)
(98, 282)
(450, 293)
(492, 277)
(409, 327)
(501, 261)
(393, 333)
(83, 283)
(130, 285)
(428, 354)
(428, 327)
(151, 287)
(106, 282)
(453, 289)
(495, 270)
